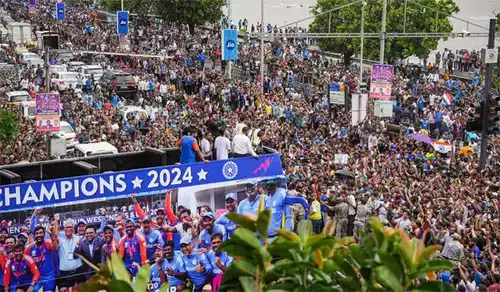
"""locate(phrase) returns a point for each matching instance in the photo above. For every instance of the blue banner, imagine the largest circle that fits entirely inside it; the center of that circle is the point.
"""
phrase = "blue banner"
(122, 22)
(116, 185)
(60, 11)
(230, 44)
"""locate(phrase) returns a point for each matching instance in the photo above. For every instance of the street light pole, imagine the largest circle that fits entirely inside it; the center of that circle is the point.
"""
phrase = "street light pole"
(262, 45)
(487, 93)
(363, 4)
(383, 33)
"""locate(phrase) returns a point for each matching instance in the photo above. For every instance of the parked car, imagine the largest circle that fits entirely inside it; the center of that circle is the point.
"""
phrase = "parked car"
(74, 65)
(68, 134)
(88, 70)
(132, 112)
(61, 55)
(64, 80)
(56, 68)
(125, 83)
(30, 59)
(17, 96)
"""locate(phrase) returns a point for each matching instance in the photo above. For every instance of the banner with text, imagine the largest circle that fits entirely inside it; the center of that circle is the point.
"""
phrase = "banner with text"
(229, 44)
(336, 94)
(381, 81)
(116, 185)
(47, 112)
(60, 11)
(32, 6)
(122, 22)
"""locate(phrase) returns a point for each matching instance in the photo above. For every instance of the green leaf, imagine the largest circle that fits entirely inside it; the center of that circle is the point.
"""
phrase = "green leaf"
(386, 278)
(92, 287)
(247, 283)
(165, 287)
(242, 221)
(392, 264)
(283, 249)
(263, 222)
(245, 267)
(120, 285)
(119, 270)
(427, 252)
(235, 249)
(142, 279)
(434, 286)
(245, 236)
(262, 257)
(288, 235)
(304, 229)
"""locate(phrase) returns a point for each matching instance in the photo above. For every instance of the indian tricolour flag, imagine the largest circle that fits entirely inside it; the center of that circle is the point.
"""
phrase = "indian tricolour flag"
(447, 98)
(442, 147)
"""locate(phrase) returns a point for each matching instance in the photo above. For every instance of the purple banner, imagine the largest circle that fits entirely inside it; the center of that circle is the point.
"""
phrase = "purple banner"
(381, 81)
(48, 112)
(32, 6)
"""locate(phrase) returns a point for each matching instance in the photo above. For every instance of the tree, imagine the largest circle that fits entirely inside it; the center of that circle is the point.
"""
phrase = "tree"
(387, 260)
(9, 126)
(192, 12)
(348, 20)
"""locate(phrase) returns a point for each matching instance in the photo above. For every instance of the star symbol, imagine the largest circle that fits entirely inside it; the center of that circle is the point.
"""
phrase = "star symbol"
(202, 175)
(137, 182)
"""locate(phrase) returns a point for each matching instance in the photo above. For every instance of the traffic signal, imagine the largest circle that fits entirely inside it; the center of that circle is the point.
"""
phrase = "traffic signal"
(474, 122)
(493, 115)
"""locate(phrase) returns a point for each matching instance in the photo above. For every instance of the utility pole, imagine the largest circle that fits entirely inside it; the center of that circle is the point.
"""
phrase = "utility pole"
(229, 12)
(47, 90)
(487, 93)
(383, 33)
(262, 45)
(363, 4)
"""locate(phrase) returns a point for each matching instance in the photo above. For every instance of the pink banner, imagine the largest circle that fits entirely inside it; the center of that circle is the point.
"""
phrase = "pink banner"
(48, 112)
(32, 6)
(381, 81)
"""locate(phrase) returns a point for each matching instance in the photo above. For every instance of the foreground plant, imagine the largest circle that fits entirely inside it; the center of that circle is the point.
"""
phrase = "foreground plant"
(386, 261)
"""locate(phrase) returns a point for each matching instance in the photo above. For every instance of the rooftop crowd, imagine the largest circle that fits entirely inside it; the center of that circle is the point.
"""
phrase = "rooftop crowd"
(406, 183)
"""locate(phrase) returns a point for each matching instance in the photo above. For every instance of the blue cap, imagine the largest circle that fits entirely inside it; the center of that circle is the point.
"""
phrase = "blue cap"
(109, 227)
(22, 234)
(185, 240)
(81, 221)
(231, 196)
(130, 220)
(209, 215)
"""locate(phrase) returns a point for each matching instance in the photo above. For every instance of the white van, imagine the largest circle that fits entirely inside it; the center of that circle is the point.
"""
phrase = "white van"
(28, 109)
(68, 134)
(17, 96)
(94, 149)
(132, 112)
(88, 70)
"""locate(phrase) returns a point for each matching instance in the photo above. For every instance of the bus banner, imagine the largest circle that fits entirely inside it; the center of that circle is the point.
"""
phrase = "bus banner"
(121, 184)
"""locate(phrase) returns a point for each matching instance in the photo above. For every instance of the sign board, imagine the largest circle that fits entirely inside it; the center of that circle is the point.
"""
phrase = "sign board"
(60, 11)
(32, 6)
(122, 22)
(341, 158)
(491, 56)
(229, 44)
(58, 146)
(358, 108)
(381, 81)
(382, 109)
(47, 112)
(336, 94)
(142, 182)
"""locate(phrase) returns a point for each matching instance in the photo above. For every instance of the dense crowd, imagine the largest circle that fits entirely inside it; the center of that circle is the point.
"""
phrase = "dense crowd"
(415, 186)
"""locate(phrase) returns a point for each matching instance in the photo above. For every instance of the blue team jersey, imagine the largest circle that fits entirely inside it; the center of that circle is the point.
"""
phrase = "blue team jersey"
(45, 259)
(153, 239)
(190, 262)
(177, 265)
(224, 259)
(206, 237)
(246, 206)
(154, 278)
(276, 203)
(226, 222)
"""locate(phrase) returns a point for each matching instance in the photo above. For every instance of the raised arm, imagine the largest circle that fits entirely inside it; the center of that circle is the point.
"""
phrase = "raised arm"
(168, 208)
